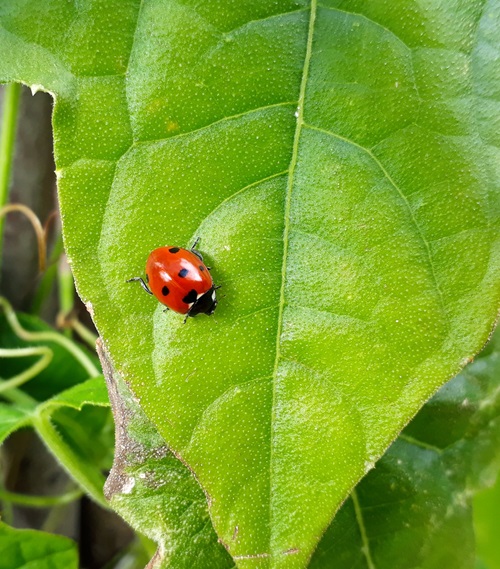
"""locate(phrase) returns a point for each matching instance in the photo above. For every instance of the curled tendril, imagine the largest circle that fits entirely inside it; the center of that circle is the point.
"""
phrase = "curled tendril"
(37, 226)
(64, 342)
(21, 378)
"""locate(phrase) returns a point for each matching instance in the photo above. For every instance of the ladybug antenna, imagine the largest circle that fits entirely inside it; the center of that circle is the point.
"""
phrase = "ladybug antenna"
(196, 241)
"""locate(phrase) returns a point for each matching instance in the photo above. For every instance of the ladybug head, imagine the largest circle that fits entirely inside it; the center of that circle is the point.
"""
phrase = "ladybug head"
(206, 304)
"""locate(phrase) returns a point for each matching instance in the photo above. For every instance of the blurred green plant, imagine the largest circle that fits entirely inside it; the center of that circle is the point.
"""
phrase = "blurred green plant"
(27, 548)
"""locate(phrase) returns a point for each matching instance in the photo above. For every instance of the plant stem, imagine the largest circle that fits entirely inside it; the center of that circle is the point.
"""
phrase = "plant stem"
(85, 334)
(40, 501)
(12, 94)
(20, 398)
(48, 278)
(66, 291)
(6, 509)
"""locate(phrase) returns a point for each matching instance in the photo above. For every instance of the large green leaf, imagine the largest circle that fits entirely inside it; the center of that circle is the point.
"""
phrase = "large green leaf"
(338, 161)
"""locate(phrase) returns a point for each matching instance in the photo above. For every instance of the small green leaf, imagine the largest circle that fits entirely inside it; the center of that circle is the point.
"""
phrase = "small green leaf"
(75, 430)
(90, 392)
(12, 419)
(30, 549)
(81, 415)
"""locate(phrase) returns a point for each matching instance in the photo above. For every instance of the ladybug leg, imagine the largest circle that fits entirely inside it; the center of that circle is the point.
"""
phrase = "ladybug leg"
(193, 249)
(143, 284)
(166, 309)
(218, 286)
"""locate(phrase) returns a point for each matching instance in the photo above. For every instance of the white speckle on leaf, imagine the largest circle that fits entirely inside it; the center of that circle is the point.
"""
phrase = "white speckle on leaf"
(128, 486)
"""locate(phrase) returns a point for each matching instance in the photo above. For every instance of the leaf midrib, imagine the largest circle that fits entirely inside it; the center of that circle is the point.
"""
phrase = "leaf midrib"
(286, 230)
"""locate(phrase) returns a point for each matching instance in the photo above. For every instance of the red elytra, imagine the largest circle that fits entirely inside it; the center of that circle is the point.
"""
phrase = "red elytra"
(180, 280)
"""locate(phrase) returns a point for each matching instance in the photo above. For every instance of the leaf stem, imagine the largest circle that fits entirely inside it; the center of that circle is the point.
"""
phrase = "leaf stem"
(48, 277)
(364, 537)
(66, 291)
(6, 511)
(85, 334)
(20, 398)
(12, 94)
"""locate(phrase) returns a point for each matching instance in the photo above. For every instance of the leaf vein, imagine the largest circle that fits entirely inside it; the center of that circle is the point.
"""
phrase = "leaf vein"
(218, 121)
(416, 442)
(423, 240)
(241, 190)
(364, 537)
(286, 230)
(366, 18)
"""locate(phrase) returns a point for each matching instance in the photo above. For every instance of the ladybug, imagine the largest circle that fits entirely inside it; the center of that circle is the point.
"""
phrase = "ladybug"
(180, 280)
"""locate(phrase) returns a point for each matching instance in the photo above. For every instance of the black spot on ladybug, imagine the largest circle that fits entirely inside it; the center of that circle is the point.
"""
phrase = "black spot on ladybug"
(174, 249)
(165, 290)
(190, 297)
(201, 267)
(183, 273)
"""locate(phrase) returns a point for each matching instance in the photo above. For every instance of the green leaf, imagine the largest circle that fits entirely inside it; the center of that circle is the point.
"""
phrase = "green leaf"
(487, 525)
(26, 549)
(414, 510)
(11, 419)
(62, 372)
(90, 392)
(338, 161)
(81, 415)
(78, 433)
(147, 478)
